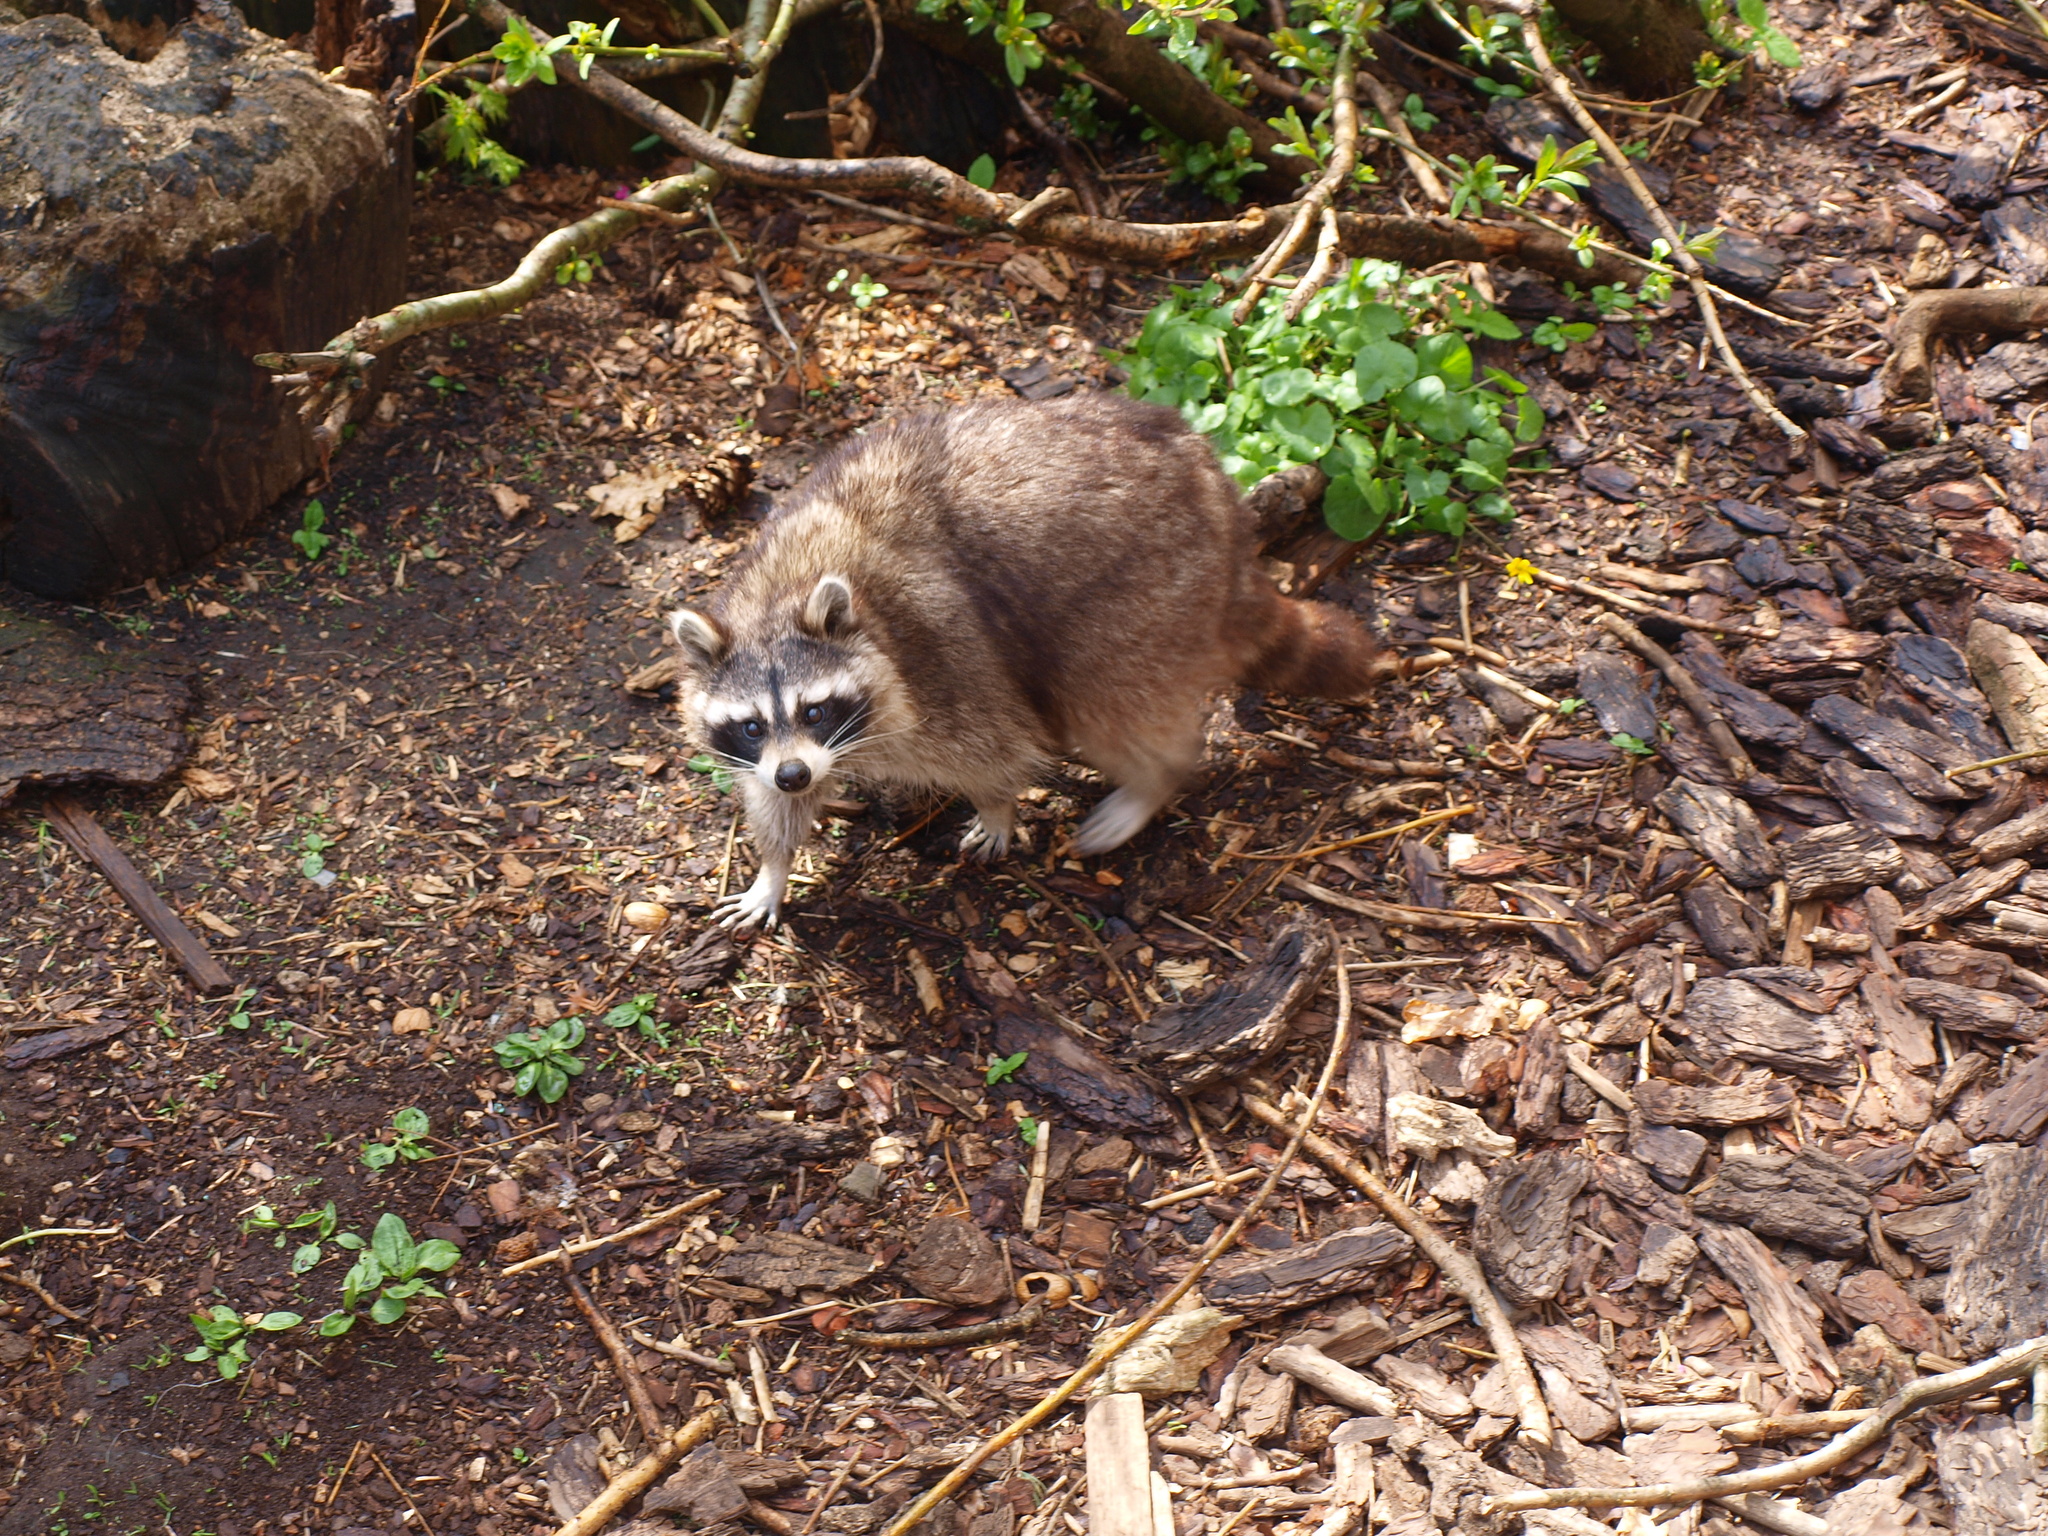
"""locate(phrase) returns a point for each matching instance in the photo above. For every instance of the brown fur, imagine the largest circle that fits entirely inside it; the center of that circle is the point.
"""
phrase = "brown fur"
(1027, 582)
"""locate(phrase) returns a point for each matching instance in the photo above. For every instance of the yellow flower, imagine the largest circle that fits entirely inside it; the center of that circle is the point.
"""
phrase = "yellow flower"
(1521, 570)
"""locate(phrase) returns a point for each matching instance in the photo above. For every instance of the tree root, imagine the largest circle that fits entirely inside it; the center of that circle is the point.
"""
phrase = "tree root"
(1052, 1402)
(2015, 1364)
(1953, 311)
(1460, 1271)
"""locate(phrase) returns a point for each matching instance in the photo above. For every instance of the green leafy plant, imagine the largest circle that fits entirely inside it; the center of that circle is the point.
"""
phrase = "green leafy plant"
(312, 848)
(1420, 119)
(409, 1128)
(1215, 168)
(1002, 1068)
(1570, 707)
(311, 541)
(1634, 746)
(224, 1336)
(1558, 334)
(1027, 1130)
(1016, 28)
(982, 172)
(238, 1016)
(577, 269)
(465, 131)
(1375, 383)
(637, 1013)
(721, 776)
(395, 1268)
(542, 1061)
(864, 290)
(320, 1223)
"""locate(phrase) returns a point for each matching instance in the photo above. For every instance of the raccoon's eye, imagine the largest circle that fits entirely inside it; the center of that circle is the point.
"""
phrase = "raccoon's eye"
(813, 714)
(753, 730)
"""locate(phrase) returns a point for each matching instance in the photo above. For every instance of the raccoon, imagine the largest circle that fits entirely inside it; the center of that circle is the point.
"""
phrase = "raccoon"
(959, 599)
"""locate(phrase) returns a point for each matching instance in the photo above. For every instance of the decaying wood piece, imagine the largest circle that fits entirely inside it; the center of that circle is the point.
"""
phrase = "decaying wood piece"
(1723, 830)
(86, 838)
(1239, 1024)
(1874, 796)
(1729, 1019)
(1955, 311)
(1339, 1383)
(1806, 656)
(1259, 1286)
(1460, 1273)
(1788, 1318)
(2014, 679)
(954, 1260)
(1838, 861)
(1688, 688)
(1119, 1458)
(1753, 715)
(1970, 890)
(1560, 925)
(1729, 928)
(1811, 1197)
(1543, 1073)
(1082, 1080)
(2022, 834)
(1913, 756)
(2015, 1111)
(1662, 1102)
(1998, 1285)
(1900, 1030)
(790, 1262)
(1628, 1182)
(1994, 1486)
(1521, 1229)
(1974, 1010)
(629, 1484)
(772, 1147)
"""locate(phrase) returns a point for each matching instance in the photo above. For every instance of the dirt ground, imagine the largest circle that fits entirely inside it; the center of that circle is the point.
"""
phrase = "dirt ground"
(423, 803)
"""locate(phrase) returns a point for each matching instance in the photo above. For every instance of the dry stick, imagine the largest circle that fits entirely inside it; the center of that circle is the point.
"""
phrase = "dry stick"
(2013, 1364)
(1315, 204)
(1956, 773)
(40, 1294)
(1634, 605)
(1450, 919)
(592, 1244)
(1688, 689)
(622, 1358)
(1052, 1402)
(1404, 138)
(1023, 1320)
(334, 1489)
(43, 1232)
(1459, 1271)
(636, 1479)
(1681, 255)
(399, 1489)
(1329, 246)
(846, 1471)
(1426, 819)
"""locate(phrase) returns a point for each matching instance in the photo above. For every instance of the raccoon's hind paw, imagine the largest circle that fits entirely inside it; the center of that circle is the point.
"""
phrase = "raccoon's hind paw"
(760, 903)
(1115, 822)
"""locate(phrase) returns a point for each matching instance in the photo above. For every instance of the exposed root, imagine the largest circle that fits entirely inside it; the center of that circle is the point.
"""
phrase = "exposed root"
(1955, 311)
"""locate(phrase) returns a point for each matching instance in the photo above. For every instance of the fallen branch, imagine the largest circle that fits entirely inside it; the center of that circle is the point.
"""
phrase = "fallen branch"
(1404, 139)
(1312, 207)
(1688, 689)
(1448, 919)
(1953, 311)
(7, 1273)
(1459, 1271)
(2017, 1363)
(1426, 819)
(696, 1202)
(1021, 1321)
(87, 839)
(1681, 254)
(1634, 605)
(622, 1357)
(639, 1477)
(1052, 1402)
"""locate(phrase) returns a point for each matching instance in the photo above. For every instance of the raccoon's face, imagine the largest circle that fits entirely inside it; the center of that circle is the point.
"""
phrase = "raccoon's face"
(784, 708)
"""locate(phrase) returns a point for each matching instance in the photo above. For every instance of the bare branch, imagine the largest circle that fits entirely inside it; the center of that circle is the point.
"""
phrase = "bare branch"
(1343, 157)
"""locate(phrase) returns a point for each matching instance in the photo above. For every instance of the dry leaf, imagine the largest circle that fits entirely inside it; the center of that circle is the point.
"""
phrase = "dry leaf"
(517, 872)
(429, 887)
(635, 498)
(510, 502)
(207, 784)
(213, 610)
(219, 925)
(1033, 273)
(411, 1021)
(1425, 1019)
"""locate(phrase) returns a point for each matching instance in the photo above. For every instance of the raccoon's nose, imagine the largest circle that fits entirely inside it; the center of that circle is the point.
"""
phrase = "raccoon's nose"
(793, 775)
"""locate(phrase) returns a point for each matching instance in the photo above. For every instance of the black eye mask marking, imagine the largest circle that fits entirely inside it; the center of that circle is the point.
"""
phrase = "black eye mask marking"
(835, 720)
(731, 739)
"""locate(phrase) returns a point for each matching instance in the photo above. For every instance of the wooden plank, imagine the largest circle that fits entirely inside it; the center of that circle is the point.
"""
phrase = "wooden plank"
(1120, 1500)
(87, 839)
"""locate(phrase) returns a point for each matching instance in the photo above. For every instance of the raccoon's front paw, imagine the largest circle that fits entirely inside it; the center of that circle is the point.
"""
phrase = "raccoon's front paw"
(1115, 822)
(984, 843)
(760, 903)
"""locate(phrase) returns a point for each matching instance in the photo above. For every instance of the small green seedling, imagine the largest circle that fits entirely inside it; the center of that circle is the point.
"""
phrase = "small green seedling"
(320, 1223)
(409, 1128)
(224, 1336)
(1634, 746)
(542, 1061)
(1027, 1130)
(311, 541)
(638, 1013)
(1002, 1068)
(864, 290)
(1558, 334)
(1570, 707)
(982, 172)
(238, 1017)
(394, 1267)
(311, 847)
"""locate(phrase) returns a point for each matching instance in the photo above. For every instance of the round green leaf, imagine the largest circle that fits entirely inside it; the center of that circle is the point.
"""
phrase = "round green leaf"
(277, 1322)
(1382, 367)
(386, 1309)
(437, 1254)
(1347, 512)
(1287, 386)
(335, 1324)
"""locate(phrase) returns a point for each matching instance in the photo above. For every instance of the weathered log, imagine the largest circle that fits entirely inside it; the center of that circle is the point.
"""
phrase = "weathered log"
(1959, 963)
(1915, 757)
(768, 1149)
(1083, 1081)
(1726, 1020)
(1787, 1317)
(158, 262)
(1838, 860)
(1998, 1286)
(1520, 1230)
(1811, 1197)
(1662, 1102)
(1723, 829)
(1265, 1285)
(1239, 1024)
(1960, 895)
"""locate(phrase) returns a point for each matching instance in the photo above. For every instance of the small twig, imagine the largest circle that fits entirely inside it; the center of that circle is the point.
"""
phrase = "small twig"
(1034, 1191)
(757, 1371)
(1681, 254)
(796, 351)
(2014, 1364)
(40, 1294)
(334, 1489)
(1404, 138)
(1315, 202)
(1688, 689)
(399, 1489)
(846, 1471)
(649, 210)
(1403, 915)
(1426, 819)
(1329, 247)
(632, 1482)
(677, 1352)
(42, 1232)
(1060, 1396)
(1989, 762)
(1458, 1270)
(1023, 1320)
(696, 1202)
(1634, 605)
(622, 1357)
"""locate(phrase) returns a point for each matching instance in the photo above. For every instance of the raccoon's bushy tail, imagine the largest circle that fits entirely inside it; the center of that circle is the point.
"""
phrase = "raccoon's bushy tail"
(1309, 649)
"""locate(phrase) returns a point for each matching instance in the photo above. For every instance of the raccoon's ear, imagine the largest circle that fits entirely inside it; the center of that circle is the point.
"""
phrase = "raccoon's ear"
(703, 642)
(830, 610)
